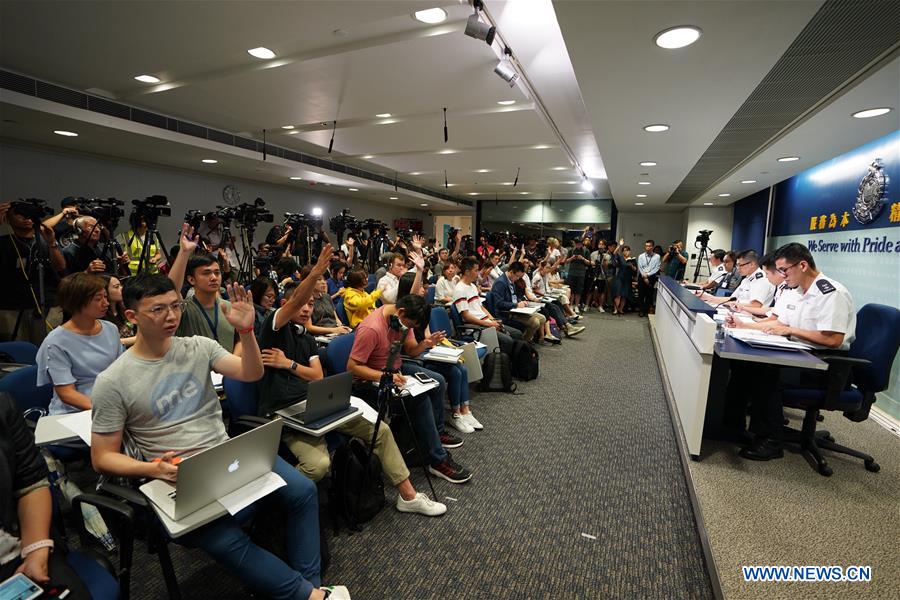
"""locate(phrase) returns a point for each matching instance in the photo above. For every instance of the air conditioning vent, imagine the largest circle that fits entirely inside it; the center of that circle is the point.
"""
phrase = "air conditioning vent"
(62, 95)
(108, 107)
(17, 83)
(220, 136)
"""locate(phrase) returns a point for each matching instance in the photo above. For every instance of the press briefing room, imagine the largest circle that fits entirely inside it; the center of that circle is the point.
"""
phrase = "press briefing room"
(416, 299)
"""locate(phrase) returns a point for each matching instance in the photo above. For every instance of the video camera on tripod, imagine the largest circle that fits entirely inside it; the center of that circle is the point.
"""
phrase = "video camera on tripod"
(702, 240)
(107, 211)
(342, 222)
(150, 209)
(248, 215)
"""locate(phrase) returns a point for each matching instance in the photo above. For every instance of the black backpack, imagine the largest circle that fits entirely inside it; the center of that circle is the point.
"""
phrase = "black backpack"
(497, 373)
(357, 490)
(525, 361)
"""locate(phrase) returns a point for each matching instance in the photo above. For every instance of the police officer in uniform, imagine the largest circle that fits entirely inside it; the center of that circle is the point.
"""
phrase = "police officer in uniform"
(818, 311)
(767, 264)
(754, 290)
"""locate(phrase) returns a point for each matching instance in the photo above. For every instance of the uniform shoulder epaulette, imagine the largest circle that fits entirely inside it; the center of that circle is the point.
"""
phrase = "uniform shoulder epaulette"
(825, 286)
(758, 275)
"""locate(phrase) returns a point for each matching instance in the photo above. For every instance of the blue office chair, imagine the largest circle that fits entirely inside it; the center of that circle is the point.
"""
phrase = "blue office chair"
(30, 398)
(338, 352)
(24, 353)
(340, 311)
(433, 279)
(440, 321)
(99, 575)
(429, 294)
(850, 384)
(370, 286)
(490, 303)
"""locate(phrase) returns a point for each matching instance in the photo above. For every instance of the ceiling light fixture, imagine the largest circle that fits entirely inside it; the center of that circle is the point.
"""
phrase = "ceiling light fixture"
(638, 203)
(506, 102)
(393, 198)
(640, 195)
(317, 212)
(788, 158)
(748, 181)
(296, 178)
(65, 133)
(432, 16)
(656, 128)
(560, 169)
(447, 151)
(648, 163)
(709, 203)
(287, 126)
(677, 37)
(147, 79)
(472, 194)
(353, 189)
(505, 70)
(871, 112)
(724, 195)
(367, 156)
(482, 170)
(415, 172)
(423, 204)
(506, 183)
(384, 115)
(586, 185)
(524, 193)
(261, 52)
(209, 161)
(478, 30)
(643, 183)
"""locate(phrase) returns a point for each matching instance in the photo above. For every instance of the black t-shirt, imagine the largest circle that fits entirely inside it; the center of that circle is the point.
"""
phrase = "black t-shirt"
(280, 387)
(17, 294)
(79, 256)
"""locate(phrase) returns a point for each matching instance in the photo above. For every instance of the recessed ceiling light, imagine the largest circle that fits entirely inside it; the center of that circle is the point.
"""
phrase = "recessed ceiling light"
(261, 52)
(367, 156)
(677, 37)
(430, 15)
(748, 181)
(709, 203)
(353, 189)
(393, 198)
(383, 115)
(542, 147)
(296, 178)
(482, 170)
(147, 79)
(524, 193)
(423, 204)
(643, 183)
(448, 151)
(871, 112)
(648, 163)
(788, 158)
(638, 203)
(560, 169)
(656, 128)
(287, 126)
(292, 132)
(472, 193)
(506, 183)
(65, 133)
(724, 195)
(640, 195)
(505, 102)
(209, 161)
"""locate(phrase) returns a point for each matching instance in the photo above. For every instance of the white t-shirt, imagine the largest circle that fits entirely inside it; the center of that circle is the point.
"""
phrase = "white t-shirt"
(826, 306)
(540, 284)
(467, 298)
(554, 256)
(388, 286)
(755, 287)
(444, 287)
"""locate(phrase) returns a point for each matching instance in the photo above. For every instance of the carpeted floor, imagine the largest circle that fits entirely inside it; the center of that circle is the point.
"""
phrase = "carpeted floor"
(783, 512)
(578, 493)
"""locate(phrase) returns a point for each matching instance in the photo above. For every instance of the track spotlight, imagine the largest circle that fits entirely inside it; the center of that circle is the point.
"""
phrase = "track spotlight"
(586, 185)
(507, 72)
(478, 30)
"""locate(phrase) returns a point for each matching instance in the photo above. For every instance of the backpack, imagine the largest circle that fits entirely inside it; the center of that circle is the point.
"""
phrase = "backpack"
(497, 373)
(525, 361)
(357, 490)
(555, 331)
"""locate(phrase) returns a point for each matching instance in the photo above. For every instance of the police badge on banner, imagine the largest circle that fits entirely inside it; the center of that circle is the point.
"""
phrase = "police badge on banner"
(870, 197)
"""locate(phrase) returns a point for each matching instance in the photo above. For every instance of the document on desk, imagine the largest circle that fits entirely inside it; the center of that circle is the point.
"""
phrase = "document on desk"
(758, 338)
(247, 494)
(443, 353)
(528, 310)
(416, 387)
(78, 423)
(368, 413)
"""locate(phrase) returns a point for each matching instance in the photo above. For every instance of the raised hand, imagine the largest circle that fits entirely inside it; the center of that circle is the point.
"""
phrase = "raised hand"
(417, 242)
(418, 260)
(241, 313)
(188, 240)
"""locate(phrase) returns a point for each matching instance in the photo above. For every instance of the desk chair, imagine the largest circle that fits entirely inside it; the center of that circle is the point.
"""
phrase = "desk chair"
(429, 294)
(850, 384)
(372, 282)
(340, 311)
(99, 575)
(32, 400)
(24, 353)
(440, 321)
(433, 279)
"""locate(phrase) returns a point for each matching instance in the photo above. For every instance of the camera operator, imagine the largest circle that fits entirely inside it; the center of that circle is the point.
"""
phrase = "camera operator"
(134, 246)
(62, 223)
(87, 254)
(675, 260)
(19, 251)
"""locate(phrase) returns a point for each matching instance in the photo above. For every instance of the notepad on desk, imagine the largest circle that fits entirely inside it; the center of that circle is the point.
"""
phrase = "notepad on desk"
(443, 354)
(760, 339)
(528, 310)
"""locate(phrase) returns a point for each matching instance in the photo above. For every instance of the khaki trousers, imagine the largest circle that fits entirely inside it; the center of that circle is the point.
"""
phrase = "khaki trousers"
(533, 324)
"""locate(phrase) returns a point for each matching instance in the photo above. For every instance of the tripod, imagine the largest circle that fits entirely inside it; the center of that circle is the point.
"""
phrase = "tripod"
(39, 257)
(150, 236)
(377, 247)
(248, 253)
(702, 256)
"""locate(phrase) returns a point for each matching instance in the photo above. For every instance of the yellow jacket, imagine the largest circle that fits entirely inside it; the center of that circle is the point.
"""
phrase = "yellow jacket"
(359, 304)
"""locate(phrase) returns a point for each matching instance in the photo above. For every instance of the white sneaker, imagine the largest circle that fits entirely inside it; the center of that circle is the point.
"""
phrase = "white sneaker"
(574, 330)
(576, 310)
(336, 592)
(471, 420)
(550, 337)
(421, 504)
(600, 309)
(459, 423)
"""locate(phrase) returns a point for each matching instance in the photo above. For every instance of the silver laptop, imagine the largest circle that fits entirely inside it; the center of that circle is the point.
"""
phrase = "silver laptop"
(207, 476)
(327, 400)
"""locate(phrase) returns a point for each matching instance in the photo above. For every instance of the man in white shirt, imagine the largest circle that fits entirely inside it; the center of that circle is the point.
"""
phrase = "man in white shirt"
(391, 280)
(467, 301)
(754, 290)
(648, 272)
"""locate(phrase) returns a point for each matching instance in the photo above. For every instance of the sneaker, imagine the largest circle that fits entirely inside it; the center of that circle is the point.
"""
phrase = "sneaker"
(574, 330)
(576, 310)
(600, 309)
(582, 309)
(551, 338)
(336, 592)
(421, 504)
(450, 471)
(450, 441)
(459, 423)
(471, 420)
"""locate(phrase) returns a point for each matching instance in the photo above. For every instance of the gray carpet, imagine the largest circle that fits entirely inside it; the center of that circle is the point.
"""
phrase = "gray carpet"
(783, 512)
(587, 448)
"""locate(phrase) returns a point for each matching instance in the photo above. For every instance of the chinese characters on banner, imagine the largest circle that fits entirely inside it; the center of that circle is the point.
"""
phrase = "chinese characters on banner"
(832, 221)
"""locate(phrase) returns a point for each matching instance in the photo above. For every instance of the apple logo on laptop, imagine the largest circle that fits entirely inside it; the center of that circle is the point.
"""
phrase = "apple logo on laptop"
(234, 466)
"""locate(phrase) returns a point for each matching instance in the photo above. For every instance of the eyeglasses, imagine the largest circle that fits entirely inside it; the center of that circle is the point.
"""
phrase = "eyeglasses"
(784, 270)
(161, 310)
(744, 264)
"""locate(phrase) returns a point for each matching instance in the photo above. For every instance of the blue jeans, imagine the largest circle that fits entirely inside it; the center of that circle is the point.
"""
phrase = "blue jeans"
(427, 414)
(457, 381)
(226, 542)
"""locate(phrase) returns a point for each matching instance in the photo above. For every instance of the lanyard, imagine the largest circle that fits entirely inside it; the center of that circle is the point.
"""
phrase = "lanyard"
(214, 324)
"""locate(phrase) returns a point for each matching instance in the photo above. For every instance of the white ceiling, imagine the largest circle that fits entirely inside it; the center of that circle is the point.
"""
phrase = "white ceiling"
(350, 60)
